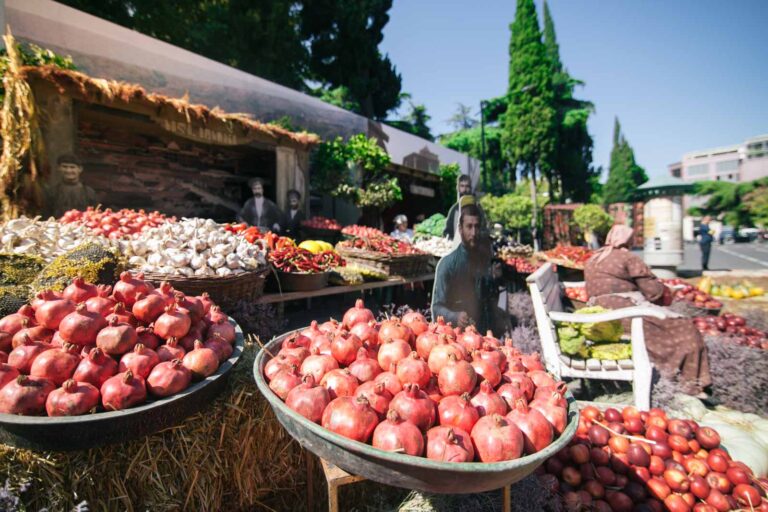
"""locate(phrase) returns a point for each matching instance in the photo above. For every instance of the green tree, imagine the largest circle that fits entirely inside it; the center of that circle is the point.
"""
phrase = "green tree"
(462, 119)
(740, 204)
(415, 120)
(343, 38)
(570, 171)
(258, 36)
(496, 177)
(338, 96)
(624, 175)
(530, 130)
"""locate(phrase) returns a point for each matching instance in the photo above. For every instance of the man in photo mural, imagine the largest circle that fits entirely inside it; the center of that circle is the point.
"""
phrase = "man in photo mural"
(259, 211)
(67, 192)
(463, 188)
(466, 290)
(294, 215)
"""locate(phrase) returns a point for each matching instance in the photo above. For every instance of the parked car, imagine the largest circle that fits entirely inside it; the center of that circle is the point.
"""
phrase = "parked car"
(730, 235)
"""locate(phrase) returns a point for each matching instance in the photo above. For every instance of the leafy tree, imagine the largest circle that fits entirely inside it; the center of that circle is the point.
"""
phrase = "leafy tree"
(338, 96)
(740, 204)
(462, 119)
(624, 175)
(448, 174)
(415, 121)
(530, 129)
(512, 211)
(496, 177)
(756, 203)
(343, 38)
(258, 36)
(570, 168)
(591, 217)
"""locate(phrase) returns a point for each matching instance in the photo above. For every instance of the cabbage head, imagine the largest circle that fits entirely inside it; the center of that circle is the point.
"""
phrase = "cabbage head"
(572, 342)
(603, 331)
(611, 351)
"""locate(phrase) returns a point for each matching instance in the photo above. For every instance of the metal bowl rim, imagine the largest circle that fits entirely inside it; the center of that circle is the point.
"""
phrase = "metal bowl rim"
(410, 460)
(18, 419)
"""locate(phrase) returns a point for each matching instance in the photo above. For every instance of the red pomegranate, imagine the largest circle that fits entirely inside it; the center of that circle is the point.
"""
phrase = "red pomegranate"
(321, 343)
(226, 331)
(351, 417)
(56, 364)
(101, 303)
(148, 307)
(215, 316)
(43, 297)
(493, 355)
(318, 365)
(392, 329)
(123, 391)
(123, 315)
(277, 363)
(147, 337)
(377, 395)
(140, 361)
(532, 362)
(25, 395)
(79, 291)
(308, 399)
(6, 344)
(523, 381)
(390, 381)
(439, 356)
(443, 328)
(291, 347)
(433, 390)
(193, 306)
(367, 332)
(206, 302)
(81, 326)
(172, 350)
(357, 315)
(51, 312)
(425, 342)
(312, 331)
(541, 379)
(552, 410)
(392, 352)
(471, 339)
(284, 381)
(330, 327)
(456, 377)
(537, 432)
(488, 402)
(414, 405)
(25, 354)
(491, 339)
(15, 322)
(339, 382)
(72, 399)
(511, 392)
(344, 347)
(449, 444)
(201, 361)
(223, 349)
(7, 374)
(396, 435)
(363, 367)
(416, 322)
(458, 411)
(95, 368)
(168, 378)
(496, 439)
(127, 289)
(486, 370)
(413, 369)
(117, 338)
(36, 333)
(173, 323)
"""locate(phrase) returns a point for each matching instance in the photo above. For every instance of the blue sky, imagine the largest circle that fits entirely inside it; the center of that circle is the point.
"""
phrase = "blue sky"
(681, 75)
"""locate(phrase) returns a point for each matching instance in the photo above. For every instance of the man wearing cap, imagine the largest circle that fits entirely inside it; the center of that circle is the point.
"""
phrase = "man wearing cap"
(401, 231)
(259, 211)
(294, 215)
(463, 189)
(465, 290)
(67, 192)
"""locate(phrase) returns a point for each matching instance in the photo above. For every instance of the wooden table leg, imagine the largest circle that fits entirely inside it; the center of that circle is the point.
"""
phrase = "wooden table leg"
(506, 499)
(333, 496)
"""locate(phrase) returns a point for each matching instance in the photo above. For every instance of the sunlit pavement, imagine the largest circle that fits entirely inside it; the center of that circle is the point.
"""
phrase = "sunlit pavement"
(751, 256)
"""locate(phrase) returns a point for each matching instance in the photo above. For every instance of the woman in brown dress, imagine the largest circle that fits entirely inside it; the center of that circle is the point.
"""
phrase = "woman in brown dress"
(613, 275)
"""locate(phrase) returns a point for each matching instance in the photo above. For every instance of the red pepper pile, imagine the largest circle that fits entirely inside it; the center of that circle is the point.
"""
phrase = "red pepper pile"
(318, 222)
(576, 255)
(289, 258)
(383, 244)
(119, 224)
(362, 231)
(251, 234)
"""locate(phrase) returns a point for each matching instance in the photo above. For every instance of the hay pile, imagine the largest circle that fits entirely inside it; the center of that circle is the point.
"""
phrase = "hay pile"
(230, 456)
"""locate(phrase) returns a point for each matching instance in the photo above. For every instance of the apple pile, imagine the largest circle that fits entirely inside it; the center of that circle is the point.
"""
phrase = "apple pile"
(522, 265)
(577, 293)
(735, 329)
(697, 298)
(318, 222)
(645, 461)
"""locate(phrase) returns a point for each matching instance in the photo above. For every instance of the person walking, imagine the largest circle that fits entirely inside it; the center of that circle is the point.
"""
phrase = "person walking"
(705, 241)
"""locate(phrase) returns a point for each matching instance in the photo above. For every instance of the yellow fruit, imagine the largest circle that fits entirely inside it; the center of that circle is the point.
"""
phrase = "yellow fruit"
(756, 291)
(705, 285)
(716, 291)
(311, 245)
(737, 294)
(325, 245)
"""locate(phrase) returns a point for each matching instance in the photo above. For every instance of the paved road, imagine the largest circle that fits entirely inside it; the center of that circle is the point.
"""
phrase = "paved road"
(752, 256)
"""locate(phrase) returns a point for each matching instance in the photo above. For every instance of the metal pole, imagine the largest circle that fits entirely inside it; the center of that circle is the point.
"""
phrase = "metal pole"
(482, 144)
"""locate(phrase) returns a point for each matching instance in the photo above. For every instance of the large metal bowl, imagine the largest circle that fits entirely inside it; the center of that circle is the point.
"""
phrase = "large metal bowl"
(68, 433)
(400, 470)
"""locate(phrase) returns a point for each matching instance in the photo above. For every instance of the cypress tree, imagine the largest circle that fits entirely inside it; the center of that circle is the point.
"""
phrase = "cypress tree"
(624, 175)
(529, 136)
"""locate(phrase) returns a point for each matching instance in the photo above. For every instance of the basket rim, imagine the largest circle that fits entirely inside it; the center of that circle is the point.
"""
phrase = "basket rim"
(156, 276)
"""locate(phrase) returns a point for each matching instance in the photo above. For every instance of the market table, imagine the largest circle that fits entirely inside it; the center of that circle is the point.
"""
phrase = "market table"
(272, 298)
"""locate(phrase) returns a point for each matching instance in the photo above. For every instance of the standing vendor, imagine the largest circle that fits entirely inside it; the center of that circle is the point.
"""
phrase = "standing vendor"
(68, 193)
(464, 291)
(294, 215)
(705, 241)
(401, 231)
(259, 211)
(463, 188)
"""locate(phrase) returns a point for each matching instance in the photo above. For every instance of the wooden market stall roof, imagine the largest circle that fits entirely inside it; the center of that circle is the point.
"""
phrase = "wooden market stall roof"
(117, 94)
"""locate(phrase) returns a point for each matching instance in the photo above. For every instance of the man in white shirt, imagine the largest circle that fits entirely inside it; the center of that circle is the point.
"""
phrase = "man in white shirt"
(401, 231)
(259, 211)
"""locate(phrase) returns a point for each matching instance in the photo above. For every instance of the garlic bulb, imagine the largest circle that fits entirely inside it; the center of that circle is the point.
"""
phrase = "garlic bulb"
(46, 238)
(233, 261)
(216, 262)
(223, 272)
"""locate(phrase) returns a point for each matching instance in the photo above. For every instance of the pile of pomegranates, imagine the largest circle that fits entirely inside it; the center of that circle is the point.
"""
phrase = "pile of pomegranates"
(732, 327)
(418, 388)
(92, 348)
(627, 461)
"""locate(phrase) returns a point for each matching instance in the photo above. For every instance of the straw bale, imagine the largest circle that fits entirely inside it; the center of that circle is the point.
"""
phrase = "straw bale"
(228, 457)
